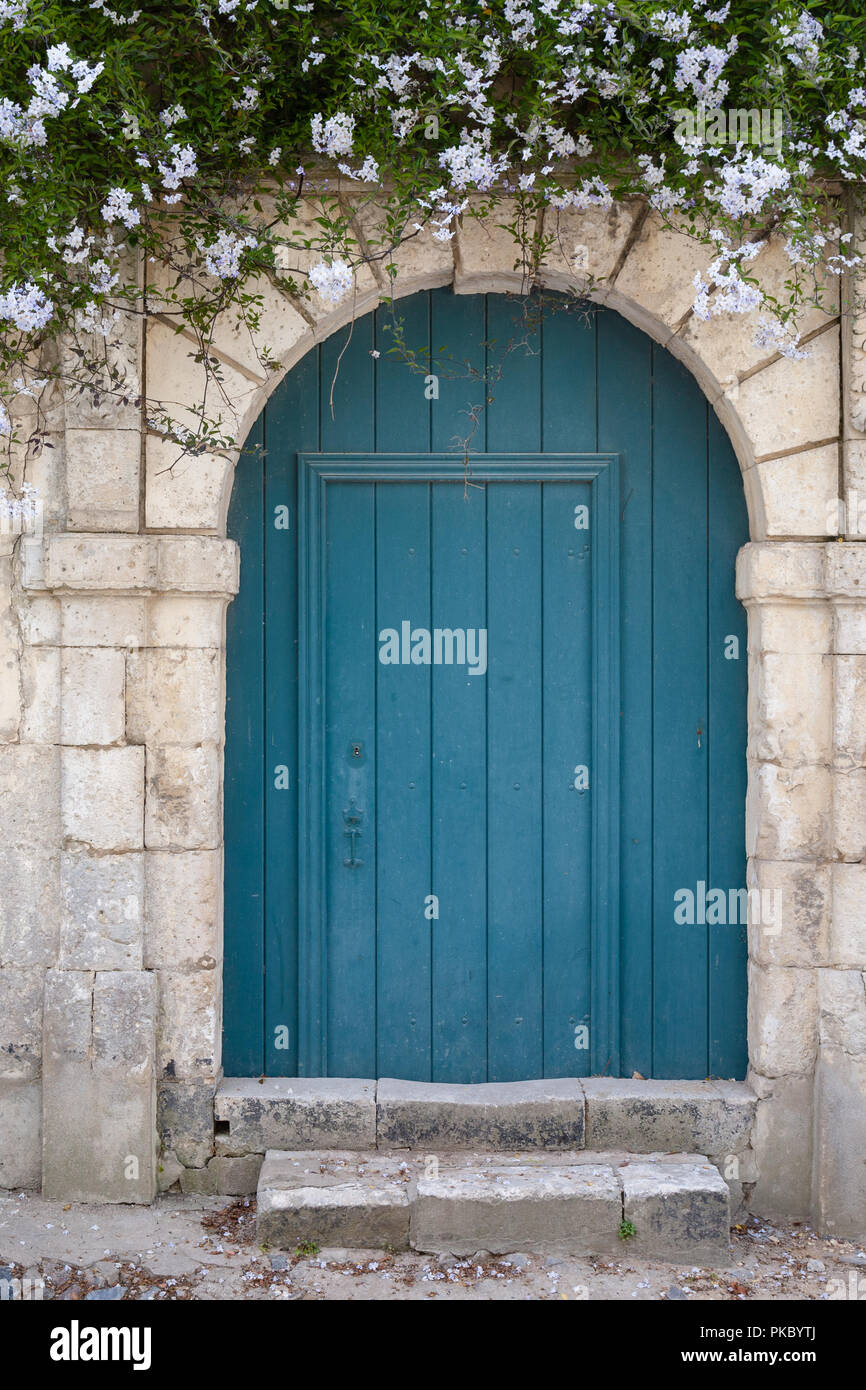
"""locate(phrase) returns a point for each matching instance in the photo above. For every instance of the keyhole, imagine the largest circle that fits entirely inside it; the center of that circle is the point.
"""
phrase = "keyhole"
(700, 731)
(357, 749)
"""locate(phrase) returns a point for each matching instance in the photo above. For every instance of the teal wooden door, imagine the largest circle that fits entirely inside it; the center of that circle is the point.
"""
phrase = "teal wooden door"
(481, 738)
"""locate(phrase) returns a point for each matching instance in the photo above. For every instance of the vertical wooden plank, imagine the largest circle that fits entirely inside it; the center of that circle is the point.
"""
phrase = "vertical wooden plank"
(350, 778)
(514, 781)
(567, 744)
(291, 425)
(625, 427)
(457, 329)
(568, 388)
(347, 396)
(726, 754)
(243, 965)
(513, 347)
(403, 787)
(459, 793)
(402, 407)
(680, 715)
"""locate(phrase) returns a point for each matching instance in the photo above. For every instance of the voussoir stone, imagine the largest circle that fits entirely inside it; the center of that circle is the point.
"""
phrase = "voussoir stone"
(496, 1115)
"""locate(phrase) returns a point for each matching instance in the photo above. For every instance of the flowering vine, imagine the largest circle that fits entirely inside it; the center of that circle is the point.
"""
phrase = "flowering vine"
(211, 143)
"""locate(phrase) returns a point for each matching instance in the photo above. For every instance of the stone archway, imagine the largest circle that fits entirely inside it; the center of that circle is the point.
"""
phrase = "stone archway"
(117, 622)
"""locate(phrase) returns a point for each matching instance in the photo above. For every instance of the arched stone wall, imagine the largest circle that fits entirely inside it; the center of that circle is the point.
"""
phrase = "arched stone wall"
(112, 627)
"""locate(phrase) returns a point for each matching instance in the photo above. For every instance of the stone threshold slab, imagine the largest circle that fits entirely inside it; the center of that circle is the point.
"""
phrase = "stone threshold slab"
(697, 1117)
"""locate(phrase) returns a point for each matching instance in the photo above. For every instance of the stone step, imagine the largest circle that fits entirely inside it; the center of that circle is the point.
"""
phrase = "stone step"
(562, 1203)
(698, 1117)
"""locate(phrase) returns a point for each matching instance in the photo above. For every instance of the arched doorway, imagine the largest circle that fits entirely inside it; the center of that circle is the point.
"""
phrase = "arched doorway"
(483, 741)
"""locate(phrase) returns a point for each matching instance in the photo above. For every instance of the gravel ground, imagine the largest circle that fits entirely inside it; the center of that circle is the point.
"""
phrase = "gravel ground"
(204, 1248)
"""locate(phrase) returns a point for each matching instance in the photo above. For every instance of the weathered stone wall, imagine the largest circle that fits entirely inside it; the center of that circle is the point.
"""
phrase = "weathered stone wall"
(112, 711)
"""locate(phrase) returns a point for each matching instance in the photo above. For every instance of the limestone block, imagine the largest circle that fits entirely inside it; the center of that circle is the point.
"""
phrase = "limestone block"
(92, 696)
(798, 491)
(679, 1211)
(174, 696)
(586, 245)
(20, 1024)
(849, 628)
(296, 1113)
(183, 808)
(658, 275)
(185, 1119)
(180, 384)
(849, 711)
(186, 491)
(845, 569)
(102, 471)
(10, 673)
(29, 905)
(787, 812)
(840, 1145)
(184, 896)
(21, 1134)
(104, 562)
(122, 349)
(185, 622)
(487, 259)
(188, 1024)
(793, 925)
(849, 814)
(792, 628)
(103, 621)
(39, 620)
(501, 1115)
(103, 898)
(783, 1147)
(848, 921)
(419, 262)
(29, 778)
(667, 1116)
(99, 1114)
(40, 691)
(791, 708)
(790, 404)
(282, 329)
(301, 253)
(298, 1202)
(197, 565)
(569, 1211)
(783, 1020)
(842, 1011)
(102, 796)
(725, 342)
(774, 570)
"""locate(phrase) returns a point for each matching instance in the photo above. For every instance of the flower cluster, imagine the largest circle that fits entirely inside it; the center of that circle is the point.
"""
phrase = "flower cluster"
(196, 136)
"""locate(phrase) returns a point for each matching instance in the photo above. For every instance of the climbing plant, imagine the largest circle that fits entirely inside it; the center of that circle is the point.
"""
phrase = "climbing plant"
(212, 144)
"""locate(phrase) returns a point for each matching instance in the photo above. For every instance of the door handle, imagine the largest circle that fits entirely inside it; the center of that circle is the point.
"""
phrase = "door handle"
(352, 818)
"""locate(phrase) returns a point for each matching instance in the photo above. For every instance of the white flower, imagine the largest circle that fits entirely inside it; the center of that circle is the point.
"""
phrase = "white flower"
(334, 136)
(16, 10)
(118, 208)
(27, 306)
(333, 279)
(183, 166)
(172, 114)
(274, 156)
(59, 57)
(222, 257)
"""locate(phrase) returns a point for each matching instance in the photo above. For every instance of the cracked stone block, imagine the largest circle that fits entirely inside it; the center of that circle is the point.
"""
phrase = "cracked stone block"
(680, 1211)
(500, 1115)
(296, 1113)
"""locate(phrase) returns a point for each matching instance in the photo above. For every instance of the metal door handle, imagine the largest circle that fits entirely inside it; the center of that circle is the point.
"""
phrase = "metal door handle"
(352, 818)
